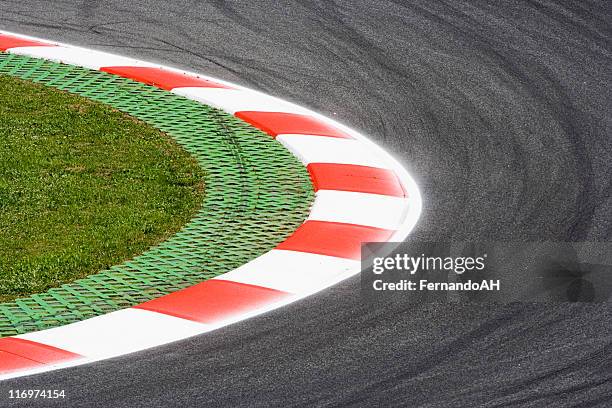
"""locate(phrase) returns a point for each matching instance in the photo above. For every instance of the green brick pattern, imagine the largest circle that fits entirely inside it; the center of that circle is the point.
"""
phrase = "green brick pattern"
(256, 195)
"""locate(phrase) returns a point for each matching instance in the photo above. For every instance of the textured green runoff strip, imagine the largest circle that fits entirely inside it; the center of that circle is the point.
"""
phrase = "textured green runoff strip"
(256, 195)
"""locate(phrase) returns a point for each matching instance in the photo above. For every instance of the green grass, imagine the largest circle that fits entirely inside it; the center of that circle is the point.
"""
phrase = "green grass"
(82, 187)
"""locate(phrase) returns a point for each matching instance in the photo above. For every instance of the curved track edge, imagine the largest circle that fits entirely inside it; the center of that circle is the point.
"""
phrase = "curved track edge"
(362, 194)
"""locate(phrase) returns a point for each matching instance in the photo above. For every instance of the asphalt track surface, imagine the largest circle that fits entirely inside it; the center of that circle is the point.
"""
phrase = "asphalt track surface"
(502, 111)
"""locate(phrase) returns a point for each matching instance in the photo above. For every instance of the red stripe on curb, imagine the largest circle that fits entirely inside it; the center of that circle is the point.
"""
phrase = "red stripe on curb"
(213, 301)
(8, 41)
(10, 362)
(17, 354)
(278, 123)
(333, 238)
(161, 78)
(352, 177)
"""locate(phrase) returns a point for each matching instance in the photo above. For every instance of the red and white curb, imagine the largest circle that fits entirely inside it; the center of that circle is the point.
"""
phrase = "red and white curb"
(362, 194)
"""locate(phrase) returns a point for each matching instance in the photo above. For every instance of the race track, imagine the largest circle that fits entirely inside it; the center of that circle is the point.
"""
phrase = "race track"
(502, 113)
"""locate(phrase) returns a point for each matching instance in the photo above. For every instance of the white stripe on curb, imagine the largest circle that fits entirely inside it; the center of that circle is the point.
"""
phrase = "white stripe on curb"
(373, 210)
(121, 332)
(294, 272)
(236, 100)
(321, 149)
(79, 56)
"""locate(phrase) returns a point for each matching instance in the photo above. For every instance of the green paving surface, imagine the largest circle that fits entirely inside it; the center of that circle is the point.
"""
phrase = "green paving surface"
(256, 194)
(83, 187)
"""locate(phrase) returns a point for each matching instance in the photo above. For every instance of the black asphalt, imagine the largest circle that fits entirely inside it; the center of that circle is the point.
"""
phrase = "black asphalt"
(502, 110)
